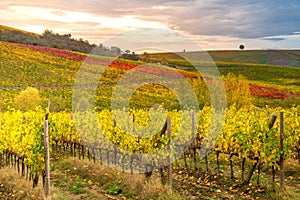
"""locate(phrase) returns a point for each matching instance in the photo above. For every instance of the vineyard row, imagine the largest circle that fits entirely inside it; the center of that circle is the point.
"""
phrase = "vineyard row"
(245, 134)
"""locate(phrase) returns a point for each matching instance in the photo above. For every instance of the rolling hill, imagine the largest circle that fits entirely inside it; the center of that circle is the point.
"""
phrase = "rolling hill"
(54, 40)
(50, 62)
(268, 57)
(53, 71)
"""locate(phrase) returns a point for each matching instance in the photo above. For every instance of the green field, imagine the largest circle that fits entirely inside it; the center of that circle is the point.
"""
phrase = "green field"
(271, 57)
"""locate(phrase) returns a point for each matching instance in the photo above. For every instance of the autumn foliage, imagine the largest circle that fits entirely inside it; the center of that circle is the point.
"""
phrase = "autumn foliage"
(255, 89)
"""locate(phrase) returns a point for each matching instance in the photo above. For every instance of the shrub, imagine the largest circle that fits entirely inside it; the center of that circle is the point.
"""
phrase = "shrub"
(28, 99)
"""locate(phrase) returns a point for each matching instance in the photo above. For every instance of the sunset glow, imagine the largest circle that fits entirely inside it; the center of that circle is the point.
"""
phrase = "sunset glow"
(212, 25)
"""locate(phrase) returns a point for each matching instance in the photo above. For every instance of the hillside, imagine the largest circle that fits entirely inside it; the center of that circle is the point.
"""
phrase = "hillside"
(270, 57)
(54, 40)
(258, 66)
(7, 28)
(53, 72)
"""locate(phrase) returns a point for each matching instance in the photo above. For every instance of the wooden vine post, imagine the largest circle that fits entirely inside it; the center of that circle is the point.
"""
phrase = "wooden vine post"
(47, 158)
(169, 132)
(271, 124)
(281, 150)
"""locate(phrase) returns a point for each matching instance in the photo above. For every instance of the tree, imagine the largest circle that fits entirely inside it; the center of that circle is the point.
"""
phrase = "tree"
(28, 99)
(47, 32)
(242, 47)
(115, 51)
(146, 57)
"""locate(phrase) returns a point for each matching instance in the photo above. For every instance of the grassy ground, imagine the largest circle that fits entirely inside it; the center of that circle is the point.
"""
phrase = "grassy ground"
(12, 186)
(72, 178)
(203, 184)
(82, 179)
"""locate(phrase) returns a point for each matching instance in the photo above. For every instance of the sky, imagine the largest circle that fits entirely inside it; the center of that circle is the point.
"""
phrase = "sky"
(212, 25)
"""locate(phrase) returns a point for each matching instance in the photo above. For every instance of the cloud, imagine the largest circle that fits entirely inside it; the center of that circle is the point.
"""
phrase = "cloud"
(274, 38)
(244, 19)
(59, 13)
(251, 19)
(4, 4)
(235, 20)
